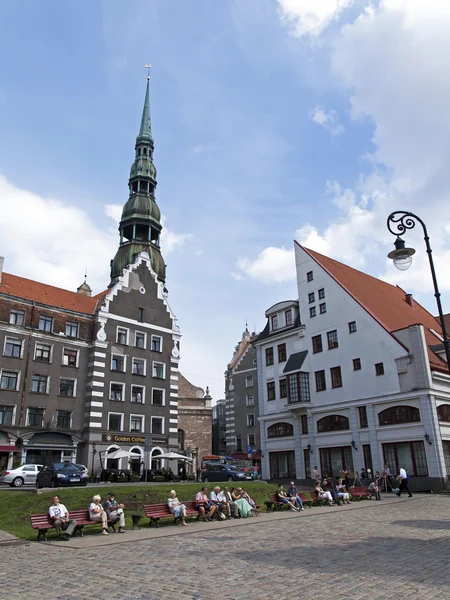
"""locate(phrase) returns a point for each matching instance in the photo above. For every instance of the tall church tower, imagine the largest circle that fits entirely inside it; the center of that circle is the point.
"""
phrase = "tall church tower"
(140, 225)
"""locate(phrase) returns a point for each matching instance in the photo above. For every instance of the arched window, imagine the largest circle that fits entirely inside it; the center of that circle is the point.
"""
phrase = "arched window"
(443, 413)
(399, 414)
(280, 430)
(333, 423)
(181, 439)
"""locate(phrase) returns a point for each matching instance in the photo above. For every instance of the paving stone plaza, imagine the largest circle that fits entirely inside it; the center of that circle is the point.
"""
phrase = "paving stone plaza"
(370, 550)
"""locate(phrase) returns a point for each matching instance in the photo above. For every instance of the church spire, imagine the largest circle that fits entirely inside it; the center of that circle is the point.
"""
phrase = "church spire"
(145, 131)
(140, 226)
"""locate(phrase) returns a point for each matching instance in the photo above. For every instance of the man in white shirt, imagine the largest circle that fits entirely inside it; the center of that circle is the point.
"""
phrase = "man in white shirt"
(59, 516)
(403, 480)
(216, 499)
(230, 503)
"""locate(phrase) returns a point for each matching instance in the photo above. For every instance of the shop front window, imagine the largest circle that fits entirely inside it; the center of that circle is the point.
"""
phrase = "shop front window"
(282, 465)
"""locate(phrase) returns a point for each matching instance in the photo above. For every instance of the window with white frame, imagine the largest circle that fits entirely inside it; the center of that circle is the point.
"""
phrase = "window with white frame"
(43, 353)
(17, 317)
(274, 322)
(115, 422)
(118, 363)
(63, 419)
(39, 384)
(159, 370)
(250, 420)
(140, 340)
(138, 366)
(136, 424)
(70, 357)
(288, 317)
(157, 343)
(249, 381)
(67, 387)
(117, 391)
(138, 394)
(35, 417)
(72, 329)
(250, 400)
(158, 396)
(157, 425)
(122, 336)
(6, 415)
(13, 347)
(46, 323)
(9, 380)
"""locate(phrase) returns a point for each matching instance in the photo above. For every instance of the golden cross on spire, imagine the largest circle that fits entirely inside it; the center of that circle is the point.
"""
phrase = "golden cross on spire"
(148, 67)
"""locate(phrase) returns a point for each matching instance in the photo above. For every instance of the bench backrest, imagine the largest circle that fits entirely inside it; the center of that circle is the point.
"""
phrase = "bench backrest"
(43, 520)
(359, 490)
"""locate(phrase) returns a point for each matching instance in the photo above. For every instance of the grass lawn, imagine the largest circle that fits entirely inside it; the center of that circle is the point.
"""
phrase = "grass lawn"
(17, 506)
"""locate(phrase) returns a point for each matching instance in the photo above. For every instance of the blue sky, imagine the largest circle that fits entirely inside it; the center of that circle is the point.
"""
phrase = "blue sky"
(272, 119)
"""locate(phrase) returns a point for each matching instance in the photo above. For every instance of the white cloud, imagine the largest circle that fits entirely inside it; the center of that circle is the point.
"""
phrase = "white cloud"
(45, 239)
(311, 17)
(328, 120)
(272, 265)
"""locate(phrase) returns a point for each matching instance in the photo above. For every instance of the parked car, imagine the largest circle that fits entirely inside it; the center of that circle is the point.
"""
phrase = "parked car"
(84, 469)
(60, 474)
(24, 475)
(224, 473)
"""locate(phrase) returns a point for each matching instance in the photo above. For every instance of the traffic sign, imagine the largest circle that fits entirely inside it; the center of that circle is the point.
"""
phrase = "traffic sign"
(249, 449)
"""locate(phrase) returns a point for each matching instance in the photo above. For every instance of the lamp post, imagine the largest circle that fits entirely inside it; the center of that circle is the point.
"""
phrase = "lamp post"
(397, 223)
(94, 452)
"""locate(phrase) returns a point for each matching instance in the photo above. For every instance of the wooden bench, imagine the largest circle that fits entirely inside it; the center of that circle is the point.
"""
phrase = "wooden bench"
(305, 500)
(155, 512)
(360, 492)
(43, 522)
(316, 500)
(274, 504)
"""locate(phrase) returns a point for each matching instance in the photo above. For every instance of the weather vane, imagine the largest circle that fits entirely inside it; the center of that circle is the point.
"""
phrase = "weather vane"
(148, 67)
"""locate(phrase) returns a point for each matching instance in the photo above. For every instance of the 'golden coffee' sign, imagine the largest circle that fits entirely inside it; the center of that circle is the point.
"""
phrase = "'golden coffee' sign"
(123, 439)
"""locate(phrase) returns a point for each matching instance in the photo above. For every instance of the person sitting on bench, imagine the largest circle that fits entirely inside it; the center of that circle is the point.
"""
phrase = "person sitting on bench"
(176, 507)
(115, 511)
(324, 495)
(374, 489)
(203, 506)
(59, 516)
(293, 496)
(341, 492)
(282, 497)
(97, 514)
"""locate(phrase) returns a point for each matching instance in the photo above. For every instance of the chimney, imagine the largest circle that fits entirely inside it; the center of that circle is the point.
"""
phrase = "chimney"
(2, 259)
(409, 299)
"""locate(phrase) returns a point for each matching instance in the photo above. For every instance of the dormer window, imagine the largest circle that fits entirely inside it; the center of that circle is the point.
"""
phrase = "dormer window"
(288, 317)
(274, 322)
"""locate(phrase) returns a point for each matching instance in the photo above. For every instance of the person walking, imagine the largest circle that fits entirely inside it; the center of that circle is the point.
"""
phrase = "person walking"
(403, 480)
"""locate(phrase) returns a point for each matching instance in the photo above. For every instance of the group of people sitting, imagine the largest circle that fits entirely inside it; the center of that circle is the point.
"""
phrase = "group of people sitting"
(220, 504)
(111, 513)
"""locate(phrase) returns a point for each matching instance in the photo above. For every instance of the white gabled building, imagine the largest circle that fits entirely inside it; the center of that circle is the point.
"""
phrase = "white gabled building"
(362, 381)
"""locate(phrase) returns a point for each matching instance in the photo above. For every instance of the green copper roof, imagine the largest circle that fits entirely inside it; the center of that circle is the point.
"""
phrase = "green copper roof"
(145, 131)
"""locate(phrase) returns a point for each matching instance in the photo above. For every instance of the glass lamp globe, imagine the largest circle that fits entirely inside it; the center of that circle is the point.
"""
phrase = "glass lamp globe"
(401, 256)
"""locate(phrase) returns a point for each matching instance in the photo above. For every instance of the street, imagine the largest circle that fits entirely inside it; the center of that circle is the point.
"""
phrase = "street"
(370, 550)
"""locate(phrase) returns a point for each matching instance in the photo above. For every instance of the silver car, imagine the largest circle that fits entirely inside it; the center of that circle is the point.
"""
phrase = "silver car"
(24, 475)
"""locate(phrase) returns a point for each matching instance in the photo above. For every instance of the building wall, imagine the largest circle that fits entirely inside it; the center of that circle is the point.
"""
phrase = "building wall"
(407, 381)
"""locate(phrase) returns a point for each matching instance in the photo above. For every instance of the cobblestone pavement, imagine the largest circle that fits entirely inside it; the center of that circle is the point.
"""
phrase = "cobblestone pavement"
(373, 551)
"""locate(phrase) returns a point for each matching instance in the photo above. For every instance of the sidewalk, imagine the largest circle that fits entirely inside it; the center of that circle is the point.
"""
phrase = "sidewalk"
(146, 533)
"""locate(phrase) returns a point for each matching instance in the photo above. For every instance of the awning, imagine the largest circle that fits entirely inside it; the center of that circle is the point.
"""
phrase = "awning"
(9, 449)
(295, 361)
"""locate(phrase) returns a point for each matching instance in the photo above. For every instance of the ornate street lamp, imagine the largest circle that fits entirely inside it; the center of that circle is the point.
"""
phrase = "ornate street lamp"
(397, 223)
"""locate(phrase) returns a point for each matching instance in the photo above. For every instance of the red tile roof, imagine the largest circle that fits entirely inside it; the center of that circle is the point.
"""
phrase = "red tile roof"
(19, 287)
(386, 303)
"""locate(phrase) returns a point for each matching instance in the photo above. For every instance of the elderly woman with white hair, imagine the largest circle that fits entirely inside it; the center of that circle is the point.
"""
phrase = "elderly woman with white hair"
(176, 507)
(97, 514)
